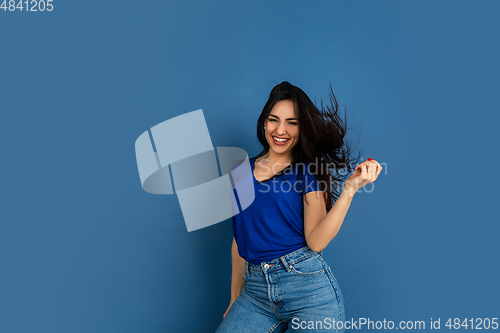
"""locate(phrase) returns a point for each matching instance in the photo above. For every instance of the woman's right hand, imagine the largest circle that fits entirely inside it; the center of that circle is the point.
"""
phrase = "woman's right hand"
(229, 307)
(364, 173)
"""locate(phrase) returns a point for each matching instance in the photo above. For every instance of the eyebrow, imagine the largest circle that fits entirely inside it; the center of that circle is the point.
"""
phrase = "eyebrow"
(279, 117)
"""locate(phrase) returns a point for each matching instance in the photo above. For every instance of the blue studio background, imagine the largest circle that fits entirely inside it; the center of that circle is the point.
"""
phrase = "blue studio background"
(84, 249)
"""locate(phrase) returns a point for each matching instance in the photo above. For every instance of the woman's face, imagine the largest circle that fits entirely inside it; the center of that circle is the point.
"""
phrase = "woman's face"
(282, 123)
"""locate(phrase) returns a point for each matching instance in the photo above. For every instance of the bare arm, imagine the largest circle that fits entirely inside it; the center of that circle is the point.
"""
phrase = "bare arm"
(320, 233)
(237, 282)
(320, 229)
(238, 265)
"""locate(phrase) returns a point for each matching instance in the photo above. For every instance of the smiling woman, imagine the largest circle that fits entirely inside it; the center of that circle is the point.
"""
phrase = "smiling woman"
(279, 273)
(282, 126)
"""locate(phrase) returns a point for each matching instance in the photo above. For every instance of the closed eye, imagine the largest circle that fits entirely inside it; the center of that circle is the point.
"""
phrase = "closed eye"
(274, 120)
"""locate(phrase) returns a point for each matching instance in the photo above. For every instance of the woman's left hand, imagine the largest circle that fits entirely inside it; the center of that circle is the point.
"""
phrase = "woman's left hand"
(364, 173)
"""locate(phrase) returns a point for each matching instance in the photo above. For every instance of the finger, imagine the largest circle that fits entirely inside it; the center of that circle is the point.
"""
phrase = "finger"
(358, 167)
(364, 171)
(372, 169)
(374, 161)
(379, 167)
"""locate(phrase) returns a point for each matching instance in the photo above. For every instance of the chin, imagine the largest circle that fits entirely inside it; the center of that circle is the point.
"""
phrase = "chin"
(279, 150)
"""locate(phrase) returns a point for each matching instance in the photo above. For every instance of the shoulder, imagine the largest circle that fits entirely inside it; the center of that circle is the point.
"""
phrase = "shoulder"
(303, 168)
(237, 163)
(306, 172)
(241, 169)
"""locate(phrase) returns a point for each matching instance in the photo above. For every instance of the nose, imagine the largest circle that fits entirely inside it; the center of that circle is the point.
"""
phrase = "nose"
(281, 129)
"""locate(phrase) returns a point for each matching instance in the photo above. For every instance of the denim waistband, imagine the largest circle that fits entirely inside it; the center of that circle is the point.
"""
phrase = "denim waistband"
(282, 262)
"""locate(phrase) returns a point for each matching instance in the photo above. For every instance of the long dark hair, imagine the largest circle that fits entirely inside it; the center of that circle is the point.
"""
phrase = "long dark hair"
(322, 143)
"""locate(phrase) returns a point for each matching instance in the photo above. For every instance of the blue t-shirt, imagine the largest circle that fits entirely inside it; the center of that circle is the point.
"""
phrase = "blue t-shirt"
(273, 224)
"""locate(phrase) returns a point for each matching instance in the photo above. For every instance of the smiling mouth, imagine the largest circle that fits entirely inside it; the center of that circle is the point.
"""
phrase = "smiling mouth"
(280, 141)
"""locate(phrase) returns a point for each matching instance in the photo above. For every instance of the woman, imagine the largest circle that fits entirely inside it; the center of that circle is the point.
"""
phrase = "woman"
(280, 281)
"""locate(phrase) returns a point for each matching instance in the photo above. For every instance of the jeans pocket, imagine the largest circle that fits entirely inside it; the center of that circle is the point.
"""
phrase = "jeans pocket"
(308, 267)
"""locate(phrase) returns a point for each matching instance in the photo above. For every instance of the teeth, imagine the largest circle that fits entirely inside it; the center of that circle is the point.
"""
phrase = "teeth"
(280, 140)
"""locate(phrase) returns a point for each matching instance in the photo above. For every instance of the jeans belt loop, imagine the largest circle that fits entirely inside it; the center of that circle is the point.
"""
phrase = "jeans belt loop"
(247, 271)
(285, 263)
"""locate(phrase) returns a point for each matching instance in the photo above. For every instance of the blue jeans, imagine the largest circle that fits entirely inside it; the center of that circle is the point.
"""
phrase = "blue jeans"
(296, 292)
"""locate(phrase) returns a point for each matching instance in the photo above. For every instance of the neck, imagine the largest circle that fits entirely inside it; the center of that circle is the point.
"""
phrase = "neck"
(274, 158)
